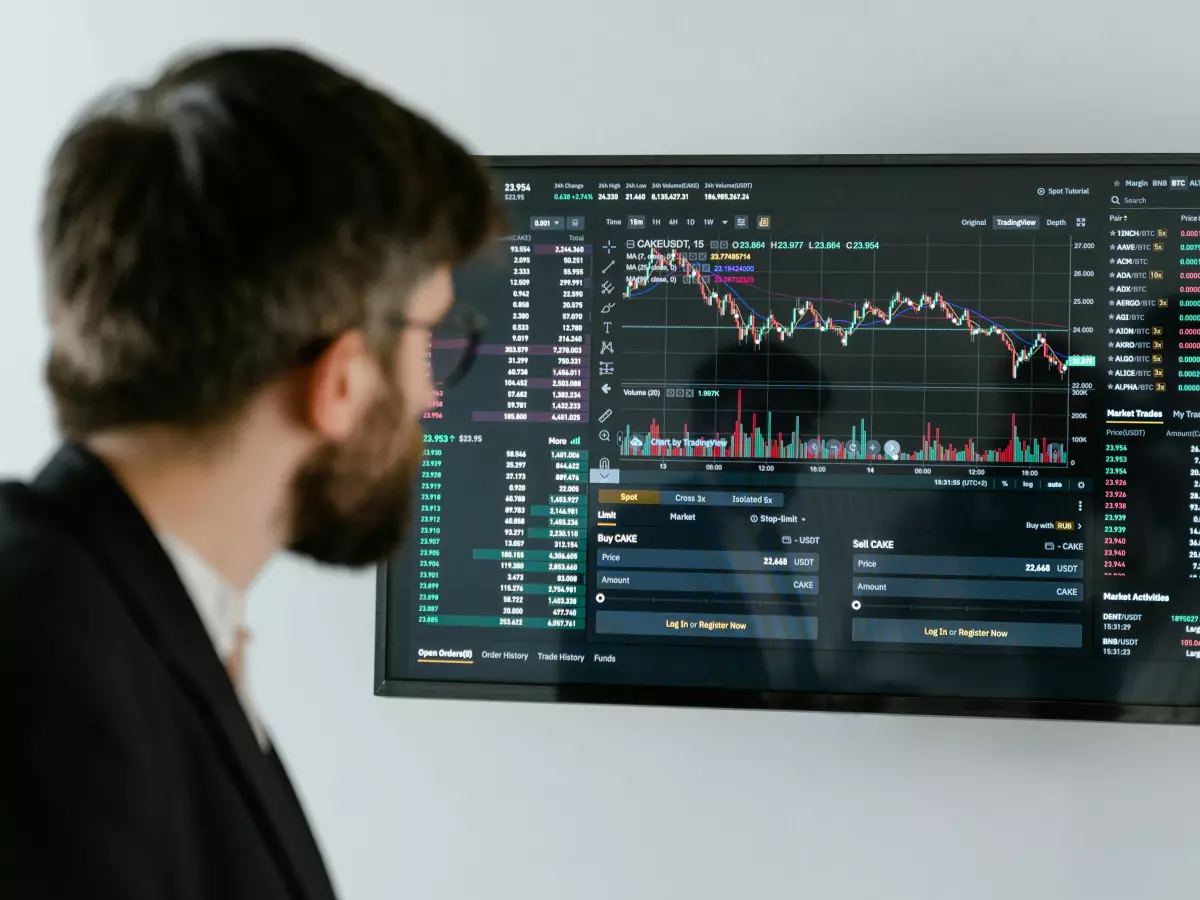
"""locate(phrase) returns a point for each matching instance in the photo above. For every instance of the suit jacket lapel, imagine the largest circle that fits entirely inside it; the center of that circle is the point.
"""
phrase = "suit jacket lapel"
(308, 839)
(92, 503)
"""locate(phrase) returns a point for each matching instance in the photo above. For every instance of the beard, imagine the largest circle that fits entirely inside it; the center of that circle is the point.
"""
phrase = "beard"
(352, 502)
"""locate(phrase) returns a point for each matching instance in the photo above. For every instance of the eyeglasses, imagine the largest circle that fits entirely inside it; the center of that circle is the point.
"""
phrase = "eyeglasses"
(453, 344)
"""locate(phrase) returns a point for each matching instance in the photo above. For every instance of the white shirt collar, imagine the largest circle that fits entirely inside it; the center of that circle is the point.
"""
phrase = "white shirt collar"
(221, 607)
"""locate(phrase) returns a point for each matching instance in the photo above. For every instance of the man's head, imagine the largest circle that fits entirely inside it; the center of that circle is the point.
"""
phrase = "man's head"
(256, 224)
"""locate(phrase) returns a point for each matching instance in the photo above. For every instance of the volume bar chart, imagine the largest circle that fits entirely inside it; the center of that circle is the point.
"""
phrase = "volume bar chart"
(763, 441)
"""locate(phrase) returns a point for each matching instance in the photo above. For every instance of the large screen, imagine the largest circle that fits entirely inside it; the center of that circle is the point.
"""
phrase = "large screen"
(897, 434)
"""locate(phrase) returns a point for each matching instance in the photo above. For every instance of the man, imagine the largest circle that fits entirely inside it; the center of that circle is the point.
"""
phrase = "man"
(244, 261)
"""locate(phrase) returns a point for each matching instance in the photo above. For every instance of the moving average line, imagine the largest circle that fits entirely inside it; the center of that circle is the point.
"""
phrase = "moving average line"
(868, 314)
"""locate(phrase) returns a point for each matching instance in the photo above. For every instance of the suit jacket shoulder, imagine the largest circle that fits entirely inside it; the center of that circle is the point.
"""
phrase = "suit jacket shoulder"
(134, 771)
(75, 748)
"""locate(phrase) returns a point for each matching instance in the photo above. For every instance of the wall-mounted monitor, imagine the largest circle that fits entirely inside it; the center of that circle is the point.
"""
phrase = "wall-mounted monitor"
(906, 434)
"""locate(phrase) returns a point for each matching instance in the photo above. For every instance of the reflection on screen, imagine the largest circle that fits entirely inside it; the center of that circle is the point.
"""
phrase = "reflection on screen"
(917, 430)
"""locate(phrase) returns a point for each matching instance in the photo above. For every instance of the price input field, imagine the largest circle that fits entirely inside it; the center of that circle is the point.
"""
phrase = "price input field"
(967, 566)
(721, 560)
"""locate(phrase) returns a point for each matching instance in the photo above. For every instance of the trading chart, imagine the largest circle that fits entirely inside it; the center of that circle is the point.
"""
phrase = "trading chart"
(895, 376)
(919, 429)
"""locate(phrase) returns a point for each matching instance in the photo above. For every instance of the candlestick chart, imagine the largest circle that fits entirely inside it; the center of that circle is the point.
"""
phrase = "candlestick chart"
(819, 358)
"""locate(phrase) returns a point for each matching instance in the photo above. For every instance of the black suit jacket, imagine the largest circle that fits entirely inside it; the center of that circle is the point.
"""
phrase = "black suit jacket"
(129, 768)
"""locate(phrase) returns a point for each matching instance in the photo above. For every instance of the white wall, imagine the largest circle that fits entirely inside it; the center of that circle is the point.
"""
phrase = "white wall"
(462, 800)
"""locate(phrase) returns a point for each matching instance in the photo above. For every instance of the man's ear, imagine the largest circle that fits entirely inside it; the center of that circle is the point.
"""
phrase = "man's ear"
(341, 383)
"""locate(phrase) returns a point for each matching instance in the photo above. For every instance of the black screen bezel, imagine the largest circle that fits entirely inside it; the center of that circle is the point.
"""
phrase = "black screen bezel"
(896, 704)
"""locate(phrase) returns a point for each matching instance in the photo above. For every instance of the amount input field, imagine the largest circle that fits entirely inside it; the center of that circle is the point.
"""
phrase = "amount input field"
(968, 566)
(721, 560)
(965, 589)
(707, 582)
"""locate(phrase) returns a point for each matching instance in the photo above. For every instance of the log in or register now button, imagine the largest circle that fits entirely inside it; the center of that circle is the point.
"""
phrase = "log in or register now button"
(984, 634)
(672, 624)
